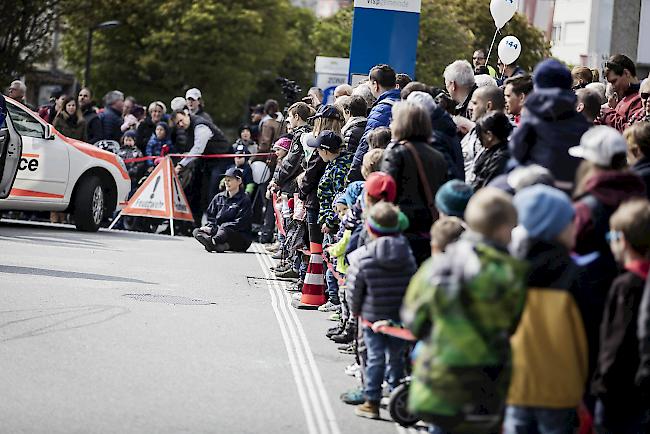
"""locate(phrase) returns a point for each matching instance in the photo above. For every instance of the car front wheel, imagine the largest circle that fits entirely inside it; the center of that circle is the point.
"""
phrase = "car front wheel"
(90, 205)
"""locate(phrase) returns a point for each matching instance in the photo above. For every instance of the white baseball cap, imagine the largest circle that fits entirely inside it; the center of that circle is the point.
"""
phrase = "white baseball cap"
(178, 103)
(599, 145)
(193, 93)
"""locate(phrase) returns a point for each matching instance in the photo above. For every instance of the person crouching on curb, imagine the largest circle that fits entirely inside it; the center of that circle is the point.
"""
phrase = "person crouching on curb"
(377, 278)
(229, 218)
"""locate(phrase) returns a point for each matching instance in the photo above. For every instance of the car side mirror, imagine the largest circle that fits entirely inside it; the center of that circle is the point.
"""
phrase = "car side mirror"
(49, 132)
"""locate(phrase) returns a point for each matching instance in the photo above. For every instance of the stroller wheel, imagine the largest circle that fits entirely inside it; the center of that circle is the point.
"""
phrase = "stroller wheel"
(397, 406)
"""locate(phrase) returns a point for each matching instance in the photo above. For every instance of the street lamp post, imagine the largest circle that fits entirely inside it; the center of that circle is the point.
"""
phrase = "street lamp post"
(104, 25)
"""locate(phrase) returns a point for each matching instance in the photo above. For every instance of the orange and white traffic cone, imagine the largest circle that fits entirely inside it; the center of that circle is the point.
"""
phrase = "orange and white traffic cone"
(313, 290)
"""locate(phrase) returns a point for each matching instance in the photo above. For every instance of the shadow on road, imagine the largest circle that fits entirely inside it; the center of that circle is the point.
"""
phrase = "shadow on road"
(20, 324)
(12, 269)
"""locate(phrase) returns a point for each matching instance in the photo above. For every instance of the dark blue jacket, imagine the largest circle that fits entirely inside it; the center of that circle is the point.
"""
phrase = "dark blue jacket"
(154, 147)
(447, 143)
(380, 116)
(378, 276)
(247, 173)
(549, 126)
(111, 121)
(231, 212)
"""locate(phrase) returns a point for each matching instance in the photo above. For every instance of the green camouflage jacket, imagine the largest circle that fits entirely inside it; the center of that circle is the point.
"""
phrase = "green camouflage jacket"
(331, 183)
(463, 305)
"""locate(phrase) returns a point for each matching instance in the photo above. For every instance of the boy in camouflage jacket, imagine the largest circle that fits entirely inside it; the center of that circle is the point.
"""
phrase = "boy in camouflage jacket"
(464, 305)
(330, 148)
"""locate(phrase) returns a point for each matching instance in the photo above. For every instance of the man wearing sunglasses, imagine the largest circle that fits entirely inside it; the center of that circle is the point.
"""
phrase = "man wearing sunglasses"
(620, 72)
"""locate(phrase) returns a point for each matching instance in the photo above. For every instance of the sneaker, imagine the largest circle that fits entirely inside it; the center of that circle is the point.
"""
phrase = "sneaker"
(278, 255)
(353, 397)
(328, 307)
(273, 248)
(352, 369)
(342, 338)
(296, 287)
(279, 266)
(335, 317)
(334, 331)
(368, 409)
(347, 349)
(287, 274)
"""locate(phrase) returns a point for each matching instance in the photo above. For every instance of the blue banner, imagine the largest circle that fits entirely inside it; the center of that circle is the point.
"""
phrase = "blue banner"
(384, 31)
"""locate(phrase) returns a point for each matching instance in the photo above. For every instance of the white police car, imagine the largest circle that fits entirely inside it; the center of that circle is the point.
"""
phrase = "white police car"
(42, 170)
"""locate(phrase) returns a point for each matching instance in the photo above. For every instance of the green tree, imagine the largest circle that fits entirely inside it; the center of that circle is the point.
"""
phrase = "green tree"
(224, 47)
(475, 16)
(25, 35)
(331, 36)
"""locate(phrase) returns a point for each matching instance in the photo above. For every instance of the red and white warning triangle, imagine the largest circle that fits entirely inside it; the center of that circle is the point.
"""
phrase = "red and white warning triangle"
(161, 196)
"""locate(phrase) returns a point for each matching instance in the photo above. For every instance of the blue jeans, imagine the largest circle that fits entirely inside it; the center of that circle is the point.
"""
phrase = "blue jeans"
(330, 280)
(525, 420)
(380, 347)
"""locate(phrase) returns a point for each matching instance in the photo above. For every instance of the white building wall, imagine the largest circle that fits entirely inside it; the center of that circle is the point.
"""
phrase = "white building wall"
(571, 28)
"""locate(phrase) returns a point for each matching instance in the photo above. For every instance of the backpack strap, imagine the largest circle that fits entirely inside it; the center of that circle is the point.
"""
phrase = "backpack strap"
(423, 178)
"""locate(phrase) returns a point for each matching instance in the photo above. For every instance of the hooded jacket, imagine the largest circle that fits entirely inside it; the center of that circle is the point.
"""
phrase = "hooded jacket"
(352, 132)
(400, 164)
(380, 116)
(377, 278)
(604, 192)
(291, 165)
(549, 126)
(143, 133)
(463, 305)
(549, 348)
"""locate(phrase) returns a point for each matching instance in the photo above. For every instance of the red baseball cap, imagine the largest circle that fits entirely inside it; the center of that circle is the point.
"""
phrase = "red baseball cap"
(380, 185)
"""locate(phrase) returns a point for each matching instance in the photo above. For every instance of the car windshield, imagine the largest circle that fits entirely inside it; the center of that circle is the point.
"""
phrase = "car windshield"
(25, 123)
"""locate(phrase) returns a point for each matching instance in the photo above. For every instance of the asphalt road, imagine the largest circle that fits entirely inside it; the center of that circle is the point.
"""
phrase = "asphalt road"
(119, 332)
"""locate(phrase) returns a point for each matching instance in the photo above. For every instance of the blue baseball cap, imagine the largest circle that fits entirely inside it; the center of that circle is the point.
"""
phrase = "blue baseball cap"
(234, 172)
(327, 140)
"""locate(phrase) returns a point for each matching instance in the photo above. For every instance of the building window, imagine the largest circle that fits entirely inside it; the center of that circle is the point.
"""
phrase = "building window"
(556, 33)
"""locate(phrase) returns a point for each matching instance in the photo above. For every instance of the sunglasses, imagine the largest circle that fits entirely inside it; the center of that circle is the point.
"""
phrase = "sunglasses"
(645, 95)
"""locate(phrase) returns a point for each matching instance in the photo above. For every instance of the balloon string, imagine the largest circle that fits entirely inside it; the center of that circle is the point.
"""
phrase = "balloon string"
(487, 61)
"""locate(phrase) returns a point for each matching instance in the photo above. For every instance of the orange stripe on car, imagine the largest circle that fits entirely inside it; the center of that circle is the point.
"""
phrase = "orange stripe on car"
(95, 152)
(30, 193)
(30, 155)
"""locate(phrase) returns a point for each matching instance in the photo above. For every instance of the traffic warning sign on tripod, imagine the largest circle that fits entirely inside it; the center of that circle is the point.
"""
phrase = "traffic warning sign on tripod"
(160, 196)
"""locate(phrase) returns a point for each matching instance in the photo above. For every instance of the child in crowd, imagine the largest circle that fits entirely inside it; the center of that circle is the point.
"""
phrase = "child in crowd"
(329, 146)
(379, 138)
(246, 139)
(621, 407)
(452, 198)
(474, 294)
(445, 231)
(159, 144)
(371, 162)
(377, 279)
(548, 382)
(241, 163)
(128, 150)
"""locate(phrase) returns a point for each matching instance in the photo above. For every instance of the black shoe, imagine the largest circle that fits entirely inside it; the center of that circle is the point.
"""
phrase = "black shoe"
(334, 331)
(206, 240)
(342, 338)
(220, 248)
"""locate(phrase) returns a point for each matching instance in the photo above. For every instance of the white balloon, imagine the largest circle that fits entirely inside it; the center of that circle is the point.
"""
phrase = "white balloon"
(509, 50)
(261, 172)
(502, 11)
